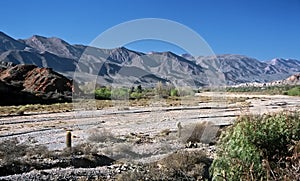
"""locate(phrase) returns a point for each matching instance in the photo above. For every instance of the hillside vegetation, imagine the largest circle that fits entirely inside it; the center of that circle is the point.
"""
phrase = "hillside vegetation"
(292, 90)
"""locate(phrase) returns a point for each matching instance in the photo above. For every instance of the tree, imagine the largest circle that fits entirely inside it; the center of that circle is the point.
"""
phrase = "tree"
(139, 89)
(160, 90)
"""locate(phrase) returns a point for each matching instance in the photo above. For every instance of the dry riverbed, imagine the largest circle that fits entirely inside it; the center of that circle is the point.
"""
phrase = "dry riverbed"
(137, 133)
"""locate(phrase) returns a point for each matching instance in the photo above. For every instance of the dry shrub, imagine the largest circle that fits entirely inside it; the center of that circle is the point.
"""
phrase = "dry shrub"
(102, 135)
(181, 165)
(205, 132)
(16, 157)
(12, 150)
(121, 151)
(84, 149)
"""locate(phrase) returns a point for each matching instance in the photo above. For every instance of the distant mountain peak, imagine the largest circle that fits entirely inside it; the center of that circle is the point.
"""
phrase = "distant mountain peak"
(166, 54)
(120, 49)
(42, 39)
(274, 61)
(53, 45)
(37, 37)
(8, 43)
(188, 56)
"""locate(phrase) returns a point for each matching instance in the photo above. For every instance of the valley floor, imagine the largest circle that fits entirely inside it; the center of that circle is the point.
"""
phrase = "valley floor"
(143, 134)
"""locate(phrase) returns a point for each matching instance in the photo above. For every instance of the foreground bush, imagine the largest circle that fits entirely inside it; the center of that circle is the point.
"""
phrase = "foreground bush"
(264, 147)
(180, 165)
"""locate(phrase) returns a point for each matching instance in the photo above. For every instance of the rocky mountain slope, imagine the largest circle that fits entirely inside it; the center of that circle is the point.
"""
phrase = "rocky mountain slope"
(127, 67)
(28, 84)
(241, 69)
(294, 79)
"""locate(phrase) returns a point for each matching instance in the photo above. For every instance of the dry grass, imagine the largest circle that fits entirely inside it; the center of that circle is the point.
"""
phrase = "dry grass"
(101, 104)
(205, 132)
(19, 157)
(102, 135)
(35, 108)
(12, 149)
(181, 165)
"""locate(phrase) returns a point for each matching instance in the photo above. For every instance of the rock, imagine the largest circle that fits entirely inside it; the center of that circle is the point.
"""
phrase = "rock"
(283, 103)
(191, 145)
(28, 84)
(293, 80)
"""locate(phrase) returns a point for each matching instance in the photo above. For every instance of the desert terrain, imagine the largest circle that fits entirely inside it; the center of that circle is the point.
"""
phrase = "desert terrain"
(139, 133)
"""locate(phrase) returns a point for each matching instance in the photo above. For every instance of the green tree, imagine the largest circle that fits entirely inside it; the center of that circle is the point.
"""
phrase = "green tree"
(139, 89)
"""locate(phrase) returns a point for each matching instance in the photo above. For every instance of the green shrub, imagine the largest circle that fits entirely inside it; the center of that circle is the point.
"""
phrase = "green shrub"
(173, 92)
(120, 94)
(273, 90)
(252, 140)
(135, 95)
(116, 94)
(103, 93)
(294, 91)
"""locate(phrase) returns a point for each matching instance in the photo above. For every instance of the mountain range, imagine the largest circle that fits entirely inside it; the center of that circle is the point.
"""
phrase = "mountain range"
(121, 66)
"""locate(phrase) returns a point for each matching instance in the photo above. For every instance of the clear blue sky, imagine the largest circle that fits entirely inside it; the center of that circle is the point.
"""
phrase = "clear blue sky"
(263, 29)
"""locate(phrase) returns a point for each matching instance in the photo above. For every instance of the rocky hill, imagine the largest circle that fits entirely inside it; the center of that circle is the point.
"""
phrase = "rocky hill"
(126, 67)
(28, 84)
(293, 80)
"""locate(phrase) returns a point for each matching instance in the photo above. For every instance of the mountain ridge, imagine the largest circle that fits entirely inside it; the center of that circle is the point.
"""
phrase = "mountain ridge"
(124, 66)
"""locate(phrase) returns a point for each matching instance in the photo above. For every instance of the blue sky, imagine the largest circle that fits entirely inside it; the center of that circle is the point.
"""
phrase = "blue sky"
(263, 29)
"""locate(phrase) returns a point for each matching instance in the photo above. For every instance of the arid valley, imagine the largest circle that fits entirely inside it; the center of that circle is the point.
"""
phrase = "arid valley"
(138, 133)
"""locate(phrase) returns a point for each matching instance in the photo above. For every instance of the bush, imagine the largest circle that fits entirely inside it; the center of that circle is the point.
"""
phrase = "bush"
(103, 93)
(186, 91)
(273, 90)
(173, 92)
(17, 157)
(12, 150)
(257, 147)
(181, 165)
(135, 95)
(205, 132)
(161, 90)
(120, 94)
(294, 91)
(102, 135)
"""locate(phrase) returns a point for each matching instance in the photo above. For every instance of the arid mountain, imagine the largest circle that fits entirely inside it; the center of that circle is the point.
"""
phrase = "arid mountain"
(8, 43)
(127, 67)
(241, 69)
(53, 45)
(289, 65)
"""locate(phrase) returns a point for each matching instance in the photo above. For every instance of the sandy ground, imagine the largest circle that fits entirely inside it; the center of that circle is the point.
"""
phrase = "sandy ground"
(50, 129)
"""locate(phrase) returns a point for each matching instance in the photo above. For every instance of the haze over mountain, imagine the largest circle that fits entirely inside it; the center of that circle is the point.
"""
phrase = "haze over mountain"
(122, 66)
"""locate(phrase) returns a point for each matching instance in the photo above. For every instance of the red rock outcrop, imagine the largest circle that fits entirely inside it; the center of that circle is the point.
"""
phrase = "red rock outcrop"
(42, 85)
